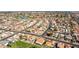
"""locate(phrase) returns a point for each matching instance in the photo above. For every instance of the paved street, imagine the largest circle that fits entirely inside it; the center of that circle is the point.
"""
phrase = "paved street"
(60, 27)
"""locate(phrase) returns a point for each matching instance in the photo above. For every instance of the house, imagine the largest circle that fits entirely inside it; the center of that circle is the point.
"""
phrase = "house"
(40, 41)
(23, 36)
(69, 36)
(78, 37)
(53, 42)
(31, 38)
(67, 46)
(4, 42)
(2, 46)
(61, 45)
(77, 32)
(49, 43)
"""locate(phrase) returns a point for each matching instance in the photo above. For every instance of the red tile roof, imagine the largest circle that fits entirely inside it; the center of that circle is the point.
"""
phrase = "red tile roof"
(40, 41)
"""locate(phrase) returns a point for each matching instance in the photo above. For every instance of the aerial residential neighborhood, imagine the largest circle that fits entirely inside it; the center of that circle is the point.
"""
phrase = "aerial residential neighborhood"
(39, 29)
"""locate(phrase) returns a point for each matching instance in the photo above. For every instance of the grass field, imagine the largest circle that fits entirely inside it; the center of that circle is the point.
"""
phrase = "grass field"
(21, 44)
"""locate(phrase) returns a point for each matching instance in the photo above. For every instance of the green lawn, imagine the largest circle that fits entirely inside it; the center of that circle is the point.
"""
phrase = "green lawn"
(21, 44)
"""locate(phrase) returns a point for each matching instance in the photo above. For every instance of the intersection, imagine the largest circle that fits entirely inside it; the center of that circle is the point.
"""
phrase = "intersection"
(47, 29)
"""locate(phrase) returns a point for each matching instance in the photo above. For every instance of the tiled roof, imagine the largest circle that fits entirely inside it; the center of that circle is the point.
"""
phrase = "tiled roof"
(40, 41)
